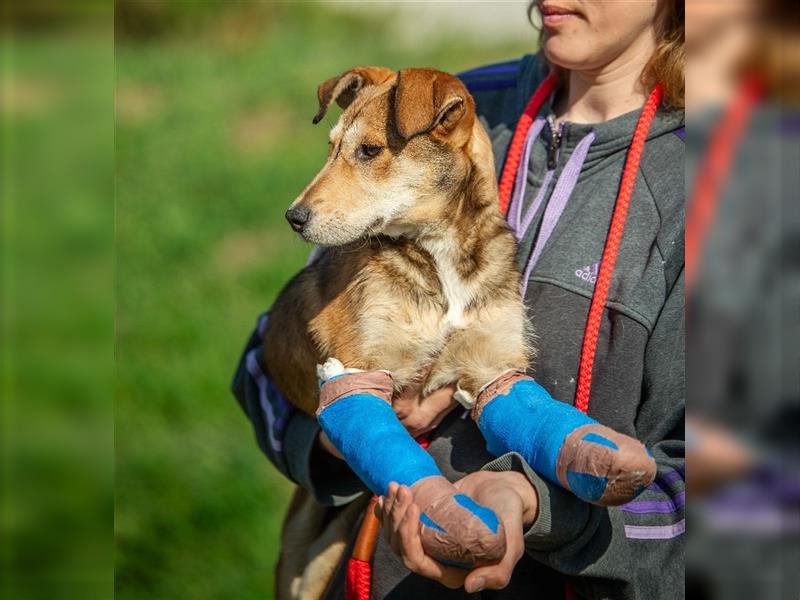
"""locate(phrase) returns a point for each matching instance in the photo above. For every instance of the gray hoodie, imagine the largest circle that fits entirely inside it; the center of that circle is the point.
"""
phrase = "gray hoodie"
(633, 551)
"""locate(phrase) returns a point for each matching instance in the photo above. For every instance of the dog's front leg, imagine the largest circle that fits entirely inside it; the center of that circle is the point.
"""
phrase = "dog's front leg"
(356, 414)
(515, 414)
(596, 463)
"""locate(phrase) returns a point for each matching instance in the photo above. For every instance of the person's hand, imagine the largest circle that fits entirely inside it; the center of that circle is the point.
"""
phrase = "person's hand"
(508, 493)
(512, 497)
(420, 415)
(399, 518)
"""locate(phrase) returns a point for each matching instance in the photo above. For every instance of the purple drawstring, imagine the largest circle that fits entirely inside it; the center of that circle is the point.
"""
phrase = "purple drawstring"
(515, 205)
(558, 200)
(537, 202)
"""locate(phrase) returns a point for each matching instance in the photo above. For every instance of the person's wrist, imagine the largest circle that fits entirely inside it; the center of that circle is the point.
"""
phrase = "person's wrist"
(528, 495)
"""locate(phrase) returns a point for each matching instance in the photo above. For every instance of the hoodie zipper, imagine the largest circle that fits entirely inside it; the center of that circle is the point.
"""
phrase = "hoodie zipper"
(556, 134)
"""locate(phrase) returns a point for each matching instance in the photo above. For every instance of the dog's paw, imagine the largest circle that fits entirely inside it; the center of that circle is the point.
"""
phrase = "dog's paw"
(603, 466)
(456, 530)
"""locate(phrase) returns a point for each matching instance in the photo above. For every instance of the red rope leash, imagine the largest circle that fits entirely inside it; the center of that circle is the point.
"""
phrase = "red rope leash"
(613, 239)
(514, 154)
(714, 170)
(359, 570)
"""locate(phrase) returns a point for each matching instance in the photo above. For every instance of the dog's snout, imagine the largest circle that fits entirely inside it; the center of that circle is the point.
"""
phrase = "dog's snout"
(298, 216)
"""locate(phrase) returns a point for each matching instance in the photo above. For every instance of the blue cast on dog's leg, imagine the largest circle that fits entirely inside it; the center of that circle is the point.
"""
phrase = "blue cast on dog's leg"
(599, 465)
(356, 414)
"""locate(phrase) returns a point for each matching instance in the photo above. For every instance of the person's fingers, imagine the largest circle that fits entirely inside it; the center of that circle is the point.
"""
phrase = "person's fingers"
(420, 415)
(401, 543)
(428, 415)
(415, 559)
(409, 531)
(440, 417)
(403, 500)
(409, 541)
(440, 403)
(386, 513)
(441, 398)
(497, 577)
(494, 577)
(391, 497)
(378, 510)
(407, 401)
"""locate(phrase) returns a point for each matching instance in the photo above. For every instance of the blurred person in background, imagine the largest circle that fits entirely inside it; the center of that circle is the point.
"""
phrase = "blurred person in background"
(743, 298)
(609, 60)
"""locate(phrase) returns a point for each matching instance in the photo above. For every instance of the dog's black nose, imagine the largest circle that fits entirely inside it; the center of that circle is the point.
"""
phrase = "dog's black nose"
(298, 217)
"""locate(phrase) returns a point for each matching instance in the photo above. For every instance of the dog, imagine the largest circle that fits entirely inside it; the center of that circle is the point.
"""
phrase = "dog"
(418, 276)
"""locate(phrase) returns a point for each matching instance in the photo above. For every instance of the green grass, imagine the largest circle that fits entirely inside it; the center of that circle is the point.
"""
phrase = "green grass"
(214, 139)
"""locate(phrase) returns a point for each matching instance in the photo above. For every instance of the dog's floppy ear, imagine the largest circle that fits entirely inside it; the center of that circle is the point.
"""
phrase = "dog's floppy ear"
(344, 88)
(426, 98)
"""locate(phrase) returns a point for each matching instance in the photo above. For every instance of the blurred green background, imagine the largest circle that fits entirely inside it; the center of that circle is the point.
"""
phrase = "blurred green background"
(213, 141)
(56, 302)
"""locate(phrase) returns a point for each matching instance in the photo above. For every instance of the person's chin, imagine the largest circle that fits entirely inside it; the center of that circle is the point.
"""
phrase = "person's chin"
(560, 51)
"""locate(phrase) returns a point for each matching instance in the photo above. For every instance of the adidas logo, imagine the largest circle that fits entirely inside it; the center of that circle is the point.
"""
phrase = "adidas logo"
(588, 273)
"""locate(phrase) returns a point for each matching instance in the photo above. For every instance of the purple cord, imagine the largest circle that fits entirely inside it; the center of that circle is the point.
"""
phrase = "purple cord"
(558, 201)
(515, 205)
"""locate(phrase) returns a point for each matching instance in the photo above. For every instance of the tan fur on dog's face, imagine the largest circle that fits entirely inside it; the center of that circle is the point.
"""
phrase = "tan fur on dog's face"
(397, 156)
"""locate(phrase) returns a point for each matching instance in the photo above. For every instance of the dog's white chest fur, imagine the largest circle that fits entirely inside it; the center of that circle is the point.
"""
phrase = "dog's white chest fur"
(456, 291)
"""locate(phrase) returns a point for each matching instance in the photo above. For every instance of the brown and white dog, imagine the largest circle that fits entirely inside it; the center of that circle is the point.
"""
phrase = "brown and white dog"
(418, 276)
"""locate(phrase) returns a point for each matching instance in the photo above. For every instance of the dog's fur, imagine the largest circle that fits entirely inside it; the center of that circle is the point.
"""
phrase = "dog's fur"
(418, 276)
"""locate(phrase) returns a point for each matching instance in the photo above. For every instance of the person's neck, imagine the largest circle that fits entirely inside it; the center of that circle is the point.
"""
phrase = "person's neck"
(599, 95)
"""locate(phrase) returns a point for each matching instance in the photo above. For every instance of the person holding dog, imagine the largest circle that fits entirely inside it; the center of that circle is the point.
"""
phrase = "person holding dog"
(601, 252)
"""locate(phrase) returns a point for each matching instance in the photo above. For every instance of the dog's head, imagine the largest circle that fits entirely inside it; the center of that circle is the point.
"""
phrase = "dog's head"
(398, 156)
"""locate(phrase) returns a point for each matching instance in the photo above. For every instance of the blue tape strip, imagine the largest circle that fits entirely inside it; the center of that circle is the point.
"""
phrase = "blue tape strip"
(596, 438)
(381, 452)
(486, 515)
(589, 487)
(428, 522)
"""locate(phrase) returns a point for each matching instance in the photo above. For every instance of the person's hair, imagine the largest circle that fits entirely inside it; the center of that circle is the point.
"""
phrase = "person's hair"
(666, 63)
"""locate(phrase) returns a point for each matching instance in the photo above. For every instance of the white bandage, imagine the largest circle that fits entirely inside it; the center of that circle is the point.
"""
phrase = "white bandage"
(464, 398)
(333, 368)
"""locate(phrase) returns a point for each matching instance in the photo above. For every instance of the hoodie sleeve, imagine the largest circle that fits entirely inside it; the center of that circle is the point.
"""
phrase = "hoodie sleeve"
(634, 550)
(287, 436)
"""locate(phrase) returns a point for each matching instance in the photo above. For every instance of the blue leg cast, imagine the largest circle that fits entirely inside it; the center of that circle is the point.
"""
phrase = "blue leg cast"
(599, 465)
(377, 447)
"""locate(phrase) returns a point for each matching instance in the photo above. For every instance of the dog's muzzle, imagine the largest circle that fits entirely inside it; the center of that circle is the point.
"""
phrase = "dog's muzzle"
(298, 216)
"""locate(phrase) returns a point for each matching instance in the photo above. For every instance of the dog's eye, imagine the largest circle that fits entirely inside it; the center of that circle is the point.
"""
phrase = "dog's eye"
(368, 151)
